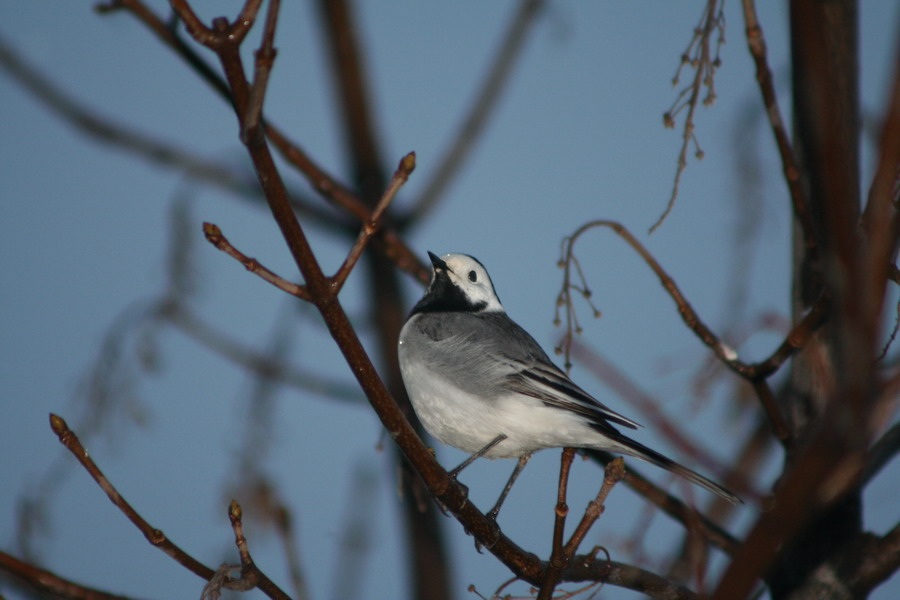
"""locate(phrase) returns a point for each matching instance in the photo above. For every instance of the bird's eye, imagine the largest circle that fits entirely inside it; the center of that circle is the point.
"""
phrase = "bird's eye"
(473, 276)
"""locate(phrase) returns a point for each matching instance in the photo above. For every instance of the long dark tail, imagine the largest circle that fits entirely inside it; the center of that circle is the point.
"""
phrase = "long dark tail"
(638, 450)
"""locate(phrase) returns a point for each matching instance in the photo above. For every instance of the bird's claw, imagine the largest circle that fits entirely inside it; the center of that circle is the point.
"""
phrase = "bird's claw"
(465, 493)
(492, 517)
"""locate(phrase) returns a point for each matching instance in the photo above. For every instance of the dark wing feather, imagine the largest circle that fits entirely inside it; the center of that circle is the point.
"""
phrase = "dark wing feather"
(534, 374)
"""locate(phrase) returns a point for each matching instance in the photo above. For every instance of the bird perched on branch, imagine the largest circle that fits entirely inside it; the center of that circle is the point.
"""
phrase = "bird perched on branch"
(481, 383)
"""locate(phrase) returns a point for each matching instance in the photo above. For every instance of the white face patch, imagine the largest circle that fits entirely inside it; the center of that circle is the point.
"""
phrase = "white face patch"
(472, 278)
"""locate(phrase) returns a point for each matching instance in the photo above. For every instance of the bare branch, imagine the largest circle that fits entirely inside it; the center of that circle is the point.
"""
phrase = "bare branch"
(614, 473)
(699, 56)
(876, 563)
(372, 226)
(558, 557)
(156, 537)
(318, 178)
(265, 58)
(881, 453)
(251, 576)
(215, 237)
(722, 351)
(49, 582)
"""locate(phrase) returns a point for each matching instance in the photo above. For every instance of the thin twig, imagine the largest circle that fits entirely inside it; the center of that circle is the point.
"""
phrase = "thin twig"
(373, 224)
(558, 558)
(614, 473)
(796, 339)
(327, 185)
(49, 582)
(155, 536)
(251, 576)
(881, 453)
(448, 492)
(672, 506)
(265, 58)
(699, 57)
(222, 32)
(892, 335)
(215, 237)
(751, 372)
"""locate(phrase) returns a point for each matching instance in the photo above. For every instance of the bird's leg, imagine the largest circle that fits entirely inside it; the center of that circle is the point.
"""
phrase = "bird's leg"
(477, 455)
(523, 460)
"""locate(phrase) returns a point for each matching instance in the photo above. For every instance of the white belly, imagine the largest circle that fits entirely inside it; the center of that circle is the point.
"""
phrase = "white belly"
(469, 422)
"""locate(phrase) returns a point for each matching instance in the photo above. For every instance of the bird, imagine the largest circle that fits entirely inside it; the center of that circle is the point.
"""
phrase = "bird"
(480, 383)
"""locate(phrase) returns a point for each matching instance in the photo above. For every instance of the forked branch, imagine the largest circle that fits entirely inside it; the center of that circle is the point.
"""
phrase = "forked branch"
(753, 373)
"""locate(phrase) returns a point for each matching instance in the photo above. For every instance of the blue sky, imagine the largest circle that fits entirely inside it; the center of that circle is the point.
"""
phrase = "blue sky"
(578, 135)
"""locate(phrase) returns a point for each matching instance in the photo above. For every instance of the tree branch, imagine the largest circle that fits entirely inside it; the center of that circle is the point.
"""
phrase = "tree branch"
(49, 582)
(369, 228)
(215, 237)
(155, 536)
(722, 351)
(558, 558)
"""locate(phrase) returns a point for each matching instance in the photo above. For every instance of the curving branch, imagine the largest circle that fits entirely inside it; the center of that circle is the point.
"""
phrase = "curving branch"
(753, 373)
(215, 237)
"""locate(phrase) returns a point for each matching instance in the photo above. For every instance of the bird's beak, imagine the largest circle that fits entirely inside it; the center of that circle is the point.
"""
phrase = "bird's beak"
(437, 263)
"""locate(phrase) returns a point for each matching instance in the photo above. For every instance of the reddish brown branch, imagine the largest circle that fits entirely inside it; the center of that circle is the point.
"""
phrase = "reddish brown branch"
(558, 558)
(799, 335)
(318, 178)
(153, 535)
(450, 494)
(373, 225)
(614, 473)
(215, 237)
(49, 582)
(251, 576)
(881, 217)
(875, 563)
(265, 58)
(796, 339)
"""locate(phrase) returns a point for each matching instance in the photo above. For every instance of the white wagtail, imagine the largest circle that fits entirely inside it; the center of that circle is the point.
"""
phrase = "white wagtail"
(481, 383)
